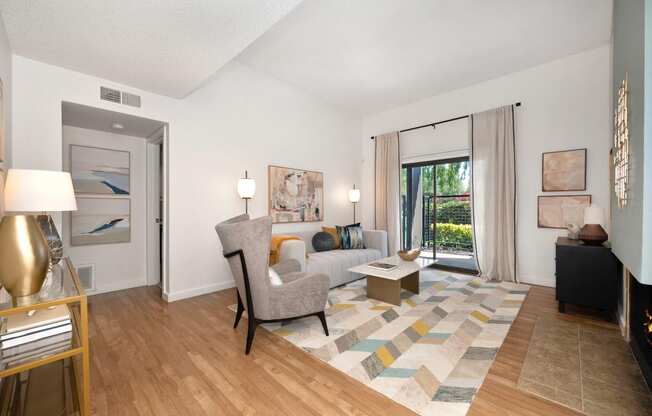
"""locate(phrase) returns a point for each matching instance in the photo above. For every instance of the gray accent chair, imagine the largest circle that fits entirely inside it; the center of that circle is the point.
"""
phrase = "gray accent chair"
(246, 246)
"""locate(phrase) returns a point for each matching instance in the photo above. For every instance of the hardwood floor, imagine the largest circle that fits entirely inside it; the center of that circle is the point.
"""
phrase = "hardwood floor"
(184, 358)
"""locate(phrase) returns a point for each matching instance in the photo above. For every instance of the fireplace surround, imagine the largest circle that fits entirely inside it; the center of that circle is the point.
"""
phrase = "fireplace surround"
(640, 307)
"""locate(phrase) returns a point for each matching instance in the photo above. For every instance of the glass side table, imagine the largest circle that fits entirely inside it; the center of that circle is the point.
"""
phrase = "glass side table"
(61, 287)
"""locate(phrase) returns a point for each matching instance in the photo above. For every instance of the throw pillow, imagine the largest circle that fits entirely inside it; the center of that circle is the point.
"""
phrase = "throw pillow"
(343, 235)
(323, 241)
(350, 236)
(356, 238)
(333, 231)
(274, 278)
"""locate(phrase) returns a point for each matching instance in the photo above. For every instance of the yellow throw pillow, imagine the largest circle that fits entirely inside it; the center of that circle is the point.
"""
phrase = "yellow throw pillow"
(333, 231)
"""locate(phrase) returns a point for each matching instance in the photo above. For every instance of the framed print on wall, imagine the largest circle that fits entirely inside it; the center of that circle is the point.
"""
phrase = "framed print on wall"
(100, 171)
(561, 210)
(295, 195)
(100, 221)
(564, 170)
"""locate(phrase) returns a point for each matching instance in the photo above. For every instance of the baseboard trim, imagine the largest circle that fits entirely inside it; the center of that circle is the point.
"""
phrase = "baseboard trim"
(197, 291)
(116, 287)
(537, 281)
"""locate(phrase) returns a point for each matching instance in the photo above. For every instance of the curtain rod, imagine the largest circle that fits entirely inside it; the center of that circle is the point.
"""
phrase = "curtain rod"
(518, 104)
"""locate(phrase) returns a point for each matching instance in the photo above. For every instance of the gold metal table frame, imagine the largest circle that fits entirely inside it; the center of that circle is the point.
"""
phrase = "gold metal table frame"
(62, 288)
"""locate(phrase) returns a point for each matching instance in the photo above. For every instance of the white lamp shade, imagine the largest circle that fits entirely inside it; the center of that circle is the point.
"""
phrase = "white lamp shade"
(354, 195)
(39, 191)
(593, 215)
(246, 188)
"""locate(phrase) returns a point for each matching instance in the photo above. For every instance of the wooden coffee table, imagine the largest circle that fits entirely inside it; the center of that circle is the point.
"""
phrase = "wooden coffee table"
(386, 285)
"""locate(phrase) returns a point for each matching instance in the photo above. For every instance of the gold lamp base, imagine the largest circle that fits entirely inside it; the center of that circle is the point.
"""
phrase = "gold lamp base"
(24, 256)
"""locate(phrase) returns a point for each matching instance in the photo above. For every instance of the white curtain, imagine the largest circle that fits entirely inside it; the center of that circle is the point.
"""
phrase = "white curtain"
(388, 191)
(494, 193)
(417, 216)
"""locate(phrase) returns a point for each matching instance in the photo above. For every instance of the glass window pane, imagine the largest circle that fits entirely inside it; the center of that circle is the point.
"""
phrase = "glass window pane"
(453, 178)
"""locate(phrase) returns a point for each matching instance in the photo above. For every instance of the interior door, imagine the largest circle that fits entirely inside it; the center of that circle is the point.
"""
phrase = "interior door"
(154, 213)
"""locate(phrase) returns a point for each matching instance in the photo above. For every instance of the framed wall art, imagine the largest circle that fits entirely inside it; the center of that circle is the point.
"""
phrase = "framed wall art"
(100, 171)
(100, 221)
(561, 210)
(295, 195)
(564, 170)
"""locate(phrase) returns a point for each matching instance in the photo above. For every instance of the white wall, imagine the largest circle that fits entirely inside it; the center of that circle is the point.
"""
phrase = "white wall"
(117, 266)
(5, 76)
(565, 106)
(243, 120)
(240, 120)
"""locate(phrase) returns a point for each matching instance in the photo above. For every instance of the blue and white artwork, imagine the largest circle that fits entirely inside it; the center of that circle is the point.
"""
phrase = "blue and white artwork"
(100, 221)
(99, 171)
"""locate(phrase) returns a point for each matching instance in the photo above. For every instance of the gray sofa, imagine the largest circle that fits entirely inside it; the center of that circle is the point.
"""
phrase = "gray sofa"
(334, 263)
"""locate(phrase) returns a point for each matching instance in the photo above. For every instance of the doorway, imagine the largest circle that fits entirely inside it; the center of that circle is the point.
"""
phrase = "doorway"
(156, 147)
(118, 165)
(436, 212)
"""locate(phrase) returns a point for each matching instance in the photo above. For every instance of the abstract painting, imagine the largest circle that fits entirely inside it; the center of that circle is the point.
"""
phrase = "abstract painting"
(99, 171)
(560, 211)
(295, 195)
(100, 221)
(564, 171)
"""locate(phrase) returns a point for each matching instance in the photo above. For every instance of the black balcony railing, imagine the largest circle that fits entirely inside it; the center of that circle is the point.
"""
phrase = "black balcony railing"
(453, 222)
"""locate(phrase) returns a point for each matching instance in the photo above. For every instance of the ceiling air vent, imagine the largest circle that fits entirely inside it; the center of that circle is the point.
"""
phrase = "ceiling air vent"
(131, 99)
(110, 94)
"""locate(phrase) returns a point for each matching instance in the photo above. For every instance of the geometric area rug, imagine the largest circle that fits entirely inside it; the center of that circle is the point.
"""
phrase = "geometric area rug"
(431, 354)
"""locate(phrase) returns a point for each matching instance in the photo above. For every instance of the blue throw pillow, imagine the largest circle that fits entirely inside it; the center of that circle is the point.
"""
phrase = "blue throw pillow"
(351, 236)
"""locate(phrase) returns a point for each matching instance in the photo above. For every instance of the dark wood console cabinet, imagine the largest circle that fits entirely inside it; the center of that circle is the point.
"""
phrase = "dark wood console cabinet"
(585, 275)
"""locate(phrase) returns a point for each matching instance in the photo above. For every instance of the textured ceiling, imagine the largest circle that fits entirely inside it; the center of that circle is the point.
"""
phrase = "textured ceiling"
(168, 47)
(371, 55)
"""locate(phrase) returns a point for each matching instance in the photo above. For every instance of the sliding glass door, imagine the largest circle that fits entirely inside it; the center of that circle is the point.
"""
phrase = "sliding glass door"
(436, 211)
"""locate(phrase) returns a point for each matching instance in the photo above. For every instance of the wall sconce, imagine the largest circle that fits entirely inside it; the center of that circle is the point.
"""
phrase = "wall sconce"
(354, 198)
(246, 189)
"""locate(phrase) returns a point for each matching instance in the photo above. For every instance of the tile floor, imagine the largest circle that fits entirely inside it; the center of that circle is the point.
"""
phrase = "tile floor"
(584, 367)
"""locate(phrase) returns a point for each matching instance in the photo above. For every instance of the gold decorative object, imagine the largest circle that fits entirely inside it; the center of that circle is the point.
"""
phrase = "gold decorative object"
(409, 255)
(621, 145)
(24, 256)
(24, 250)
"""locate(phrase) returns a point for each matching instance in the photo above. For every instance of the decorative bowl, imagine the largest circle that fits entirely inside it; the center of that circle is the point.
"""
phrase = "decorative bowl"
(409, 255)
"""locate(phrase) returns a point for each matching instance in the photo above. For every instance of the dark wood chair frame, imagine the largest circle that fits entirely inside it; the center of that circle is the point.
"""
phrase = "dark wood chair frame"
(252, 321)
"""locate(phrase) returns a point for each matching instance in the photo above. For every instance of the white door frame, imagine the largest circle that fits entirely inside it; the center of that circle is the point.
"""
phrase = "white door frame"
(160, 136)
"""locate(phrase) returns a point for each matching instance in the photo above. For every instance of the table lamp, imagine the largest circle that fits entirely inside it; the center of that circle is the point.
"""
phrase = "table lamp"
(24, 251)
(246, 189)
(354, 198)
(592, 233)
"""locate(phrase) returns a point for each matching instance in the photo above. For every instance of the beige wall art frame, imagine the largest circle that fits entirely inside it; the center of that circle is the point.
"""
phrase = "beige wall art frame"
(561, 210)
(295, 195)
(564, 170)
(100, 221)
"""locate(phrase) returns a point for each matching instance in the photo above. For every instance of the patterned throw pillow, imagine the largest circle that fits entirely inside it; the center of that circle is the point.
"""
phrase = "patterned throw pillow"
(350, 236)
(355, 236)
